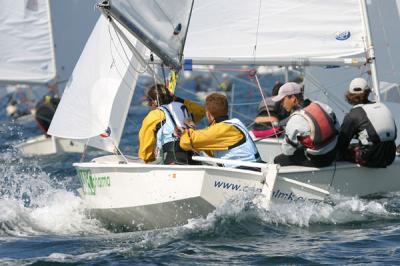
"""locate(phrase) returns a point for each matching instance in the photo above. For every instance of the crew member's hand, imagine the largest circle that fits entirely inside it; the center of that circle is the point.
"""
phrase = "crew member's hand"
(189, 123)
(178, 132)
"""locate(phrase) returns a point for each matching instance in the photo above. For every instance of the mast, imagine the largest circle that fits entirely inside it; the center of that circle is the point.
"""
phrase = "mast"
(370, 50)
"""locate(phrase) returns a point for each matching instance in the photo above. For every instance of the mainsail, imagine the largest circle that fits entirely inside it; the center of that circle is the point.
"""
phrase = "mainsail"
(329, 84)
(160, 25)
(97, 97)
(275, 32)
(26, 47)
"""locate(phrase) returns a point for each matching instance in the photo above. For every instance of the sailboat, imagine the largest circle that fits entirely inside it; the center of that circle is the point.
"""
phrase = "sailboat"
(28, 57)
(124, 192)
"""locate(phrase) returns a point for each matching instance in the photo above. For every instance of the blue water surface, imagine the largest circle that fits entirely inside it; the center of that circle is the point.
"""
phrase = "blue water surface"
(43, 222)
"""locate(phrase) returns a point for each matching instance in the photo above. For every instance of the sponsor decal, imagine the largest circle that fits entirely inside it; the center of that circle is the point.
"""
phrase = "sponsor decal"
(91, 182)
(342, 36)
(234, 187)
(277, 194)
(281, 195)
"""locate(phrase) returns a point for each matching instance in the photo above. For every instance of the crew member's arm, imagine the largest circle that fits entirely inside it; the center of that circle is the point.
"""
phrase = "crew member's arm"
(195, 109)
(220, 136)
(346, 133)
(296, 126)
(148, 134)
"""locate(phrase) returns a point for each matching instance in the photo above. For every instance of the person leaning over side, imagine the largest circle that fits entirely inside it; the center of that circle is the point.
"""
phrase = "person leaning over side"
(224, 138)
(311, 133)
(373, 127)
(159, 127)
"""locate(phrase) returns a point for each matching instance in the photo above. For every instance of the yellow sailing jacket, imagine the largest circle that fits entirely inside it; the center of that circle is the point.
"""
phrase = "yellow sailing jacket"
(153, 121)
(216, 137)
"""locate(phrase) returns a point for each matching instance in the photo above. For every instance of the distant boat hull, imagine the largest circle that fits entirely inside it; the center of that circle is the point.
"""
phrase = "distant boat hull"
(43, 145)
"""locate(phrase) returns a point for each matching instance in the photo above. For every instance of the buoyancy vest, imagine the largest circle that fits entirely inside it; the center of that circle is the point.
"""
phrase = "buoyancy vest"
(175, 115)
(267, 133)
(322, 127)
(246, 150)
(382, 123)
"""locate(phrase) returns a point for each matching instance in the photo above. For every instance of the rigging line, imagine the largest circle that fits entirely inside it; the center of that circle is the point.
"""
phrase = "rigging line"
(155, 83)
(243, 115)
(138, 56)
(231, 76)
(265, 103)
(83, 155)
(333, 174)
(213, 75)
(115, 65)
(258, 27)
(126, 55)
(119, 151)
(336, 101)
(126, 84)
(186, 90)
(164, 76)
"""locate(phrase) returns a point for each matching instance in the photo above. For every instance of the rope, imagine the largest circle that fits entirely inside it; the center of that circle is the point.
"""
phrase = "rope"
(126, 55)
(258, 27)
(265, 103)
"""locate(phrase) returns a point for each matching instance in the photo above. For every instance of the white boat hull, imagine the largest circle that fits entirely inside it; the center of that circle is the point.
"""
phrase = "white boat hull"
(268, 148)
(136, 196)
(42, 145)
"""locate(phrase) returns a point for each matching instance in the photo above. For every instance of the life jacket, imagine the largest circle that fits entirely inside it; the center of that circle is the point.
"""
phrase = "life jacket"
(267, 133)
(175, 115)
(322, 127)
(245, 151)
(382, 122)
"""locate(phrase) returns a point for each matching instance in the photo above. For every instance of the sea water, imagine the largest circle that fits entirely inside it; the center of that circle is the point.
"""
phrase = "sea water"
(43, 221)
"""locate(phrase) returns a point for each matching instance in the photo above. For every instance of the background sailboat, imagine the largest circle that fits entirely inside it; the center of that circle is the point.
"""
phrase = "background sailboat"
(34, 56)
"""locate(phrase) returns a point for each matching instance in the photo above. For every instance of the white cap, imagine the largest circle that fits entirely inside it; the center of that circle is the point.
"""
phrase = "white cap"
(289, 88)
(358, 86)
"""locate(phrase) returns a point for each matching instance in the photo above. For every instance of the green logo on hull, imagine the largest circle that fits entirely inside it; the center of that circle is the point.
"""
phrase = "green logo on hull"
(91, 182)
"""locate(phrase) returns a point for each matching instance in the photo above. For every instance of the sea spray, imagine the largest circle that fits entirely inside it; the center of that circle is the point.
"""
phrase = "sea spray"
(32, 203)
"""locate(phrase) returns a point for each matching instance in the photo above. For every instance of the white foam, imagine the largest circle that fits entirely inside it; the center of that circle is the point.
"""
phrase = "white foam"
(302, 214)
(32, 203)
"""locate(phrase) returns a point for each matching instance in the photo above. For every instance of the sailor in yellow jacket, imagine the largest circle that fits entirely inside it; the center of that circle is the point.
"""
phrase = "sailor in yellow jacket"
(224, 138)
(159, 126)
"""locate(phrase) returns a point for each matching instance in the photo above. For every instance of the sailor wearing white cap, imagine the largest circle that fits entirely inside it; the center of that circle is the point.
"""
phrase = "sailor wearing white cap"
(371, 124)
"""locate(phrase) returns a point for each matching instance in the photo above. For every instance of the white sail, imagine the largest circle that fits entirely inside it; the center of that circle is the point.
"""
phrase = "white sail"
(329, 85)
(385, 25)
(99, 92)
(26, 48)
(249, 30)
(160, 25)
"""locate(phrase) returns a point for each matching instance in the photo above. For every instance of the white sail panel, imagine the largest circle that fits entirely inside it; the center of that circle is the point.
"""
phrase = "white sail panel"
(26, 47)
(330, 85)
(98, 94)
(275, 28)
(160, 25)
(385, 28)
